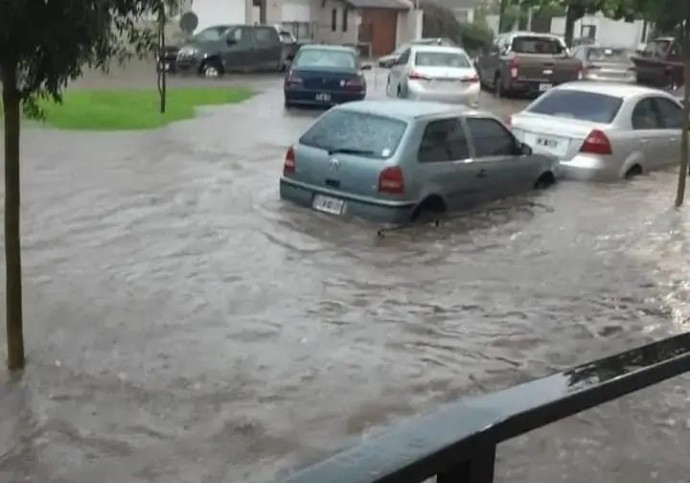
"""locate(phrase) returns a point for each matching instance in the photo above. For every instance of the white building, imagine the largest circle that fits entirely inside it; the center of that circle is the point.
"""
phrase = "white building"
(375, 25)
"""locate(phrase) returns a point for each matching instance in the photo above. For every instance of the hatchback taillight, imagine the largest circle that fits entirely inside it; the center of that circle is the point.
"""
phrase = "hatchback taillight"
(470, 79)
(391, 181)
(596, 143)
(289, 165)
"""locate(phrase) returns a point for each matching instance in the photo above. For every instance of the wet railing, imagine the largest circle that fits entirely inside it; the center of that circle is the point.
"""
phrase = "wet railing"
(458, 443)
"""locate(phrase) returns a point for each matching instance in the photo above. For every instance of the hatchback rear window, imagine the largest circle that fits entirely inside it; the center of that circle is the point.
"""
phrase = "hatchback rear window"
(580, 105)
(325, 58)
(441, 59)
(360, 133)
(537, 45)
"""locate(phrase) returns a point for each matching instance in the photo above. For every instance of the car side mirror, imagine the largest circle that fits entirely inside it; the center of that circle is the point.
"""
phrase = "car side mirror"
(525, 150)
(231, 41)
(366, 67)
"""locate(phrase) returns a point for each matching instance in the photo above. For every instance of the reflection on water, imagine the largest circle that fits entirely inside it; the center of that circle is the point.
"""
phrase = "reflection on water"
(185, 325)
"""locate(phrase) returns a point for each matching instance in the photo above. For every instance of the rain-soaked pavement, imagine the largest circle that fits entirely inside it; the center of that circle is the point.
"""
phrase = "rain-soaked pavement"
(184, 325)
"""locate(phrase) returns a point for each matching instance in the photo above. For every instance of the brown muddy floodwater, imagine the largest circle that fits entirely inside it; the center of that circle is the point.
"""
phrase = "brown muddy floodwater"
(184, 325)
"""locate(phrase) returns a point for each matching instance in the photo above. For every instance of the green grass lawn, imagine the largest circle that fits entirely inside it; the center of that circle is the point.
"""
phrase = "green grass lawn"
(113, 110)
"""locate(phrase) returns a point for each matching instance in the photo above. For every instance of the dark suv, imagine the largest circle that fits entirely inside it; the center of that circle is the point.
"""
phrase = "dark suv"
(224, 48)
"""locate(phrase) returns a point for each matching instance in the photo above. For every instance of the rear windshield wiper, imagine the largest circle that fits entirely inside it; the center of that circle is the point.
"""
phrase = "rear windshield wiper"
(362, 152)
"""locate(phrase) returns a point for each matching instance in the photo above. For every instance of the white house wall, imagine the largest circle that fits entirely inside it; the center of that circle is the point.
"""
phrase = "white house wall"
(614, 33)
(321, 11)
(408, 26)
(296, 11)
(215, 12)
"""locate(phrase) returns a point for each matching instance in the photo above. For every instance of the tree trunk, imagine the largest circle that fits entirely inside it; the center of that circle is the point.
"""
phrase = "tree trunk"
(684, 147)
(13, 265)
(162, 73)
(570, 18)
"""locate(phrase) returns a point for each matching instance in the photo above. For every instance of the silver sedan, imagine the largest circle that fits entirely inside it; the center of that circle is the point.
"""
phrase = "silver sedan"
(603, 130)
(434, 73)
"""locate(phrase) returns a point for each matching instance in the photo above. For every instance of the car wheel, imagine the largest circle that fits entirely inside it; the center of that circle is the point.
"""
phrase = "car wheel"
(431, 208)
(670, 83)
(211, 69)
(498, 86)
(633, 172)
(545, 181)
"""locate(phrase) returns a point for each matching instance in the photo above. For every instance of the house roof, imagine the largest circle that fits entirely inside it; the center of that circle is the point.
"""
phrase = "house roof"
(453, 4)
(387, 4)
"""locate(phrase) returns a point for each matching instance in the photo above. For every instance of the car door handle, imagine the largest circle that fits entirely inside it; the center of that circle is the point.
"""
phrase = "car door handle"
(644, 141)
(481, 173)
(673, 140)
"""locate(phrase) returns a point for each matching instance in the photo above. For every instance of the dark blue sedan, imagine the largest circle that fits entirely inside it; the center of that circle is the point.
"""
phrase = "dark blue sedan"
(324, 75)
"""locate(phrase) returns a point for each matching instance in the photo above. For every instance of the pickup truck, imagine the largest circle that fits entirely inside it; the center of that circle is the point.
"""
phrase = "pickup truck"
(660, 64)
(224, 48)
(527, 63)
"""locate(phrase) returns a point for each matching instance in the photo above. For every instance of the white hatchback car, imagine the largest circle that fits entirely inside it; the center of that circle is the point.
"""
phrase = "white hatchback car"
(434, 73)
(603, 130)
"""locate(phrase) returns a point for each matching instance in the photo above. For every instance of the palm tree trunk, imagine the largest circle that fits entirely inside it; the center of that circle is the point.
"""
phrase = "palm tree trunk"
(13, 265)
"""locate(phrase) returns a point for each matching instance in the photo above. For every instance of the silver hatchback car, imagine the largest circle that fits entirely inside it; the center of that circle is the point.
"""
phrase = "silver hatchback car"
(393, 160)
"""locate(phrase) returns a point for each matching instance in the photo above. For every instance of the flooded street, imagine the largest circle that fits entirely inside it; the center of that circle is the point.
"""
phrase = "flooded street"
(185, 325)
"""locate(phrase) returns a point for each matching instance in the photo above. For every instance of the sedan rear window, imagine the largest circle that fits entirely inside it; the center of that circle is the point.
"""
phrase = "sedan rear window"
(441, 59)
(359, 133)
(600, 54)
(325, 58)
(580, 105)
(537, 45)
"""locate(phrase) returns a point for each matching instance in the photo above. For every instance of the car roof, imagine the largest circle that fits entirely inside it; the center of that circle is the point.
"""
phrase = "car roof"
(333, 48)
(610, 88)
(437, 48)
(405, 109)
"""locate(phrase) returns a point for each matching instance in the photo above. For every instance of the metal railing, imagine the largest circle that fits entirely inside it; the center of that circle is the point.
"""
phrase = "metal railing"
(458, 443)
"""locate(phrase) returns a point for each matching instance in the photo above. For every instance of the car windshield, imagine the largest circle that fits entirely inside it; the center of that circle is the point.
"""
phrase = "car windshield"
(441, 59)
(211, 34)
(537, 45)
(580, 105)
(325, 58)
(371, 135)
(601, 54)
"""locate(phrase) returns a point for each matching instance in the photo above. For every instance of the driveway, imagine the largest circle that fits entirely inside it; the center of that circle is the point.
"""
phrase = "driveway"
(184, 325)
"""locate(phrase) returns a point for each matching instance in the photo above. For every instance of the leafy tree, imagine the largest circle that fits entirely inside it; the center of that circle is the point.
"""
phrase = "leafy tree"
(43, 45)
(440, 22)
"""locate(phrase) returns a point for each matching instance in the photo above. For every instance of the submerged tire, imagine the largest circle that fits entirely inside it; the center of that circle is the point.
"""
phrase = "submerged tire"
(545, 181)
(431, 206)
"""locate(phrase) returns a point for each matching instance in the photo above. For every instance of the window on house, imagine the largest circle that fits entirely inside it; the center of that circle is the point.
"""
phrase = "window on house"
(334, 19)
(346, 13)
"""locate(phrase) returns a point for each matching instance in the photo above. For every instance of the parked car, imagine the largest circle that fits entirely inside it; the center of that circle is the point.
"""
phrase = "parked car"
(661, 63)
(434, 73)
(389, 60)
(324, 75)
(603, 130)
(526, 62)
(224, 48)
(610, 64)
(394, 161)
(168, 60)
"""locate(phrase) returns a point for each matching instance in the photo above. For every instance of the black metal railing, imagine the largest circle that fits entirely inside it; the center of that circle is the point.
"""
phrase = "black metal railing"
(458, 443)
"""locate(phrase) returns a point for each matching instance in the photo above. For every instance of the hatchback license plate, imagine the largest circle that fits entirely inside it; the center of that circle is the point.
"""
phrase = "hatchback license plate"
(544, 87)
(327, 204)
(323, 97)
